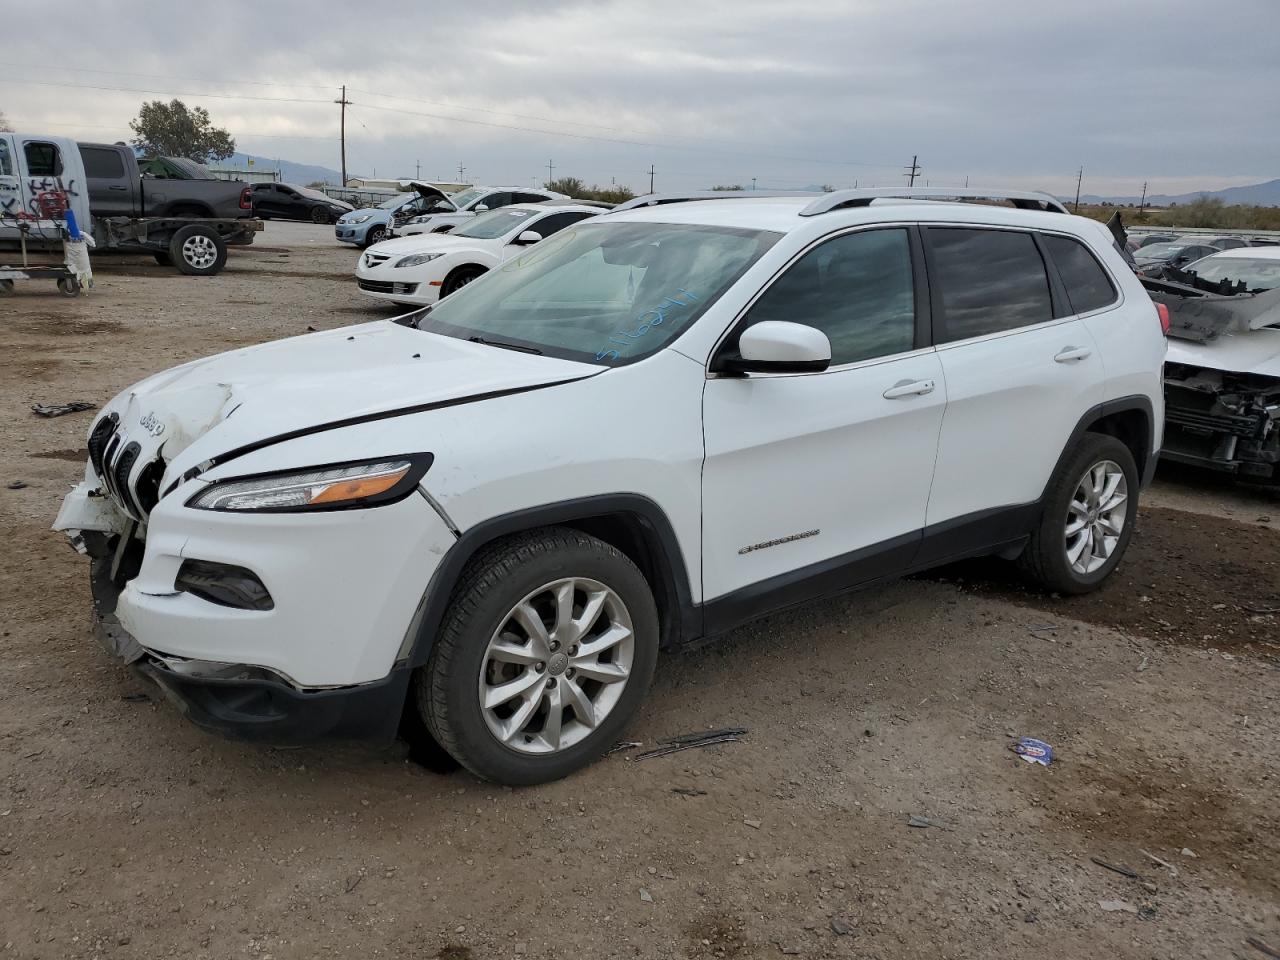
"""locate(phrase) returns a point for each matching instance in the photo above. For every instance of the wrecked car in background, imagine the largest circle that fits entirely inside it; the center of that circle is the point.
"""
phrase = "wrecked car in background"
(1222, 376)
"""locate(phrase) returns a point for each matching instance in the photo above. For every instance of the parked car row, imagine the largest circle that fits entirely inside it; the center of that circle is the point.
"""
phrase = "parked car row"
(430, 210)
(491, 512)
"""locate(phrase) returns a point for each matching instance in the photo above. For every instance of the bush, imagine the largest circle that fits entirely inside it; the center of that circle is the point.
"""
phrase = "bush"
(1208, 212)
(573, 187)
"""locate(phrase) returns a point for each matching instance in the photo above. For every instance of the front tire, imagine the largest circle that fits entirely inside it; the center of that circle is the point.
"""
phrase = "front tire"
(459, 279)
(1088, 518)
(376, 234)
(320, 215)
(547, 648)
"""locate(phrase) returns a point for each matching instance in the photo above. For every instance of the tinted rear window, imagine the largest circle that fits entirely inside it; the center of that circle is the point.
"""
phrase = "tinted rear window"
(988, 280)
(1088, 286)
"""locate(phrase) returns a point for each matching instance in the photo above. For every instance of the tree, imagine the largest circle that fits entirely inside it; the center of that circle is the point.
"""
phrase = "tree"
(574, 187)
(4, 124)
(175, 130)
(727, 187)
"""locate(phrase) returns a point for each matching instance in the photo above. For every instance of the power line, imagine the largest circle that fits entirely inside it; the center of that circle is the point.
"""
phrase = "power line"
(161, 93)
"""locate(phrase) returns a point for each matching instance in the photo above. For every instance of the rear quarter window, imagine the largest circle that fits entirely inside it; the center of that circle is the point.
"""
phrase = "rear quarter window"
(100, 163)
(1088, 286)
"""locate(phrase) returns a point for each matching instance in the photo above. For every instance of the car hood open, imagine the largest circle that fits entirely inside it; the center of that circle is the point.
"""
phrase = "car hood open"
(211, 409)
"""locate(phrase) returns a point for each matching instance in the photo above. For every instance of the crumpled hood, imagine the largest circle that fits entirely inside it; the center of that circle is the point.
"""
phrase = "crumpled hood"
(1248, 351)
(207, 408)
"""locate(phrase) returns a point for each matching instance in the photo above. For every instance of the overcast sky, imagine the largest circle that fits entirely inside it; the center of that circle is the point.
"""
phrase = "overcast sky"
(1182, 93)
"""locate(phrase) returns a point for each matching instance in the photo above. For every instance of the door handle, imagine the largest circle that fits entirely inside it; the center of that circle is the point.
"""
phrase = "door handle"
(909, 388)
(117, 187)
(1071, 354)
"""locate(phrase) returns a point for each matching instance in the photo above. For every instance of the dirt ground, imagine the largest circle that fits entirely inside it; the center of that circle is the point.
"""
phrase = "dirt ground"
(125, 832)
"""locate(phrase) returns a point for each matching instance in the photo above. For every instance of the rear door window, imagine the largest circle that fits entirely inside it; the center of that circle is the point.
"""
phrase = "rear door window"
(6, 161)
(43, 159)
(101, 163)
(1088, 286)
(986, 281)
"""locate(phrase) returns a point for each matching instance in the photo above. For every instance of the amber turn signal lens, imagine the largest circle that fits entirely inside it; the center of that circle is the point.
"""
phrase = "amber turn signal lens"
(358, 489)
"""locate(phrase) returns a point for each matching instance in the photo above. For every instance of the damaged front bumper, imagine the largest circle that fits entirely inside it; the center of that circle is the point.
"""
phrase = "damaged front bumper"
(238, 701)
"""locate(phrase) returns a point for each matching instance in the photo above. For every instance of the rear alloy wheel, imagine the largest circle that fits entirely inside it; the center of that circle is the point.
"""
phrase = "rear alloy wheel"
(1087, 520)
(198, 251)
(547, 648)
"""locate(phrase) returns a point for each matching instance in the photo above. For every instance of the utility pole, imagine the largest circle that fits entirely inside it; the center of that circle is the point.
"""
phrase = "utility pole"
(343, 102)
(913, 171)
(550, 166)
(417, 175)
(1142, 204)
(1079, 180)
(651, 178)
(753, 183)
(461, 171)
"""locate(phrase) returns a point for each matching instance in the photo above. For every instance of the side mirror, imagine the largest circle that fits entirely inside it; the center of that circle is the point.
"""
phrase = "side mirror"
(528, 237)
(481, 207)
(777, 346)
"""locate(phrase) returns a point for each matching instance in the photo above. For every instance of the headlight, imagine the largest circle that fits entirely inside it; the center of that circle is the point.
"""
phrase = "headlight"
(338, 486)
(416, 258)
(367, 216)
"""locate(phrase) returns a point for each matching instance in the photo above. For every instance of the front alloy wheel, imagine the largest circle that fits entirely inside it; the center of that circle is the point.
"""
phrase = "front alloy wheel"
(547, 647)
(557, 666)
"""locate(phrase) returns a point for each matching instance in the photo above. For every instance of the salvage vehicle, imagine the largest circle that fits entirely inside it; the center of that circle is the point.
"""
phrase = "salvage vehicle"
(1155, 258)
(421, 269)
(285, 201)
(1222, 378)
(369, 225)
(466, 204)
(490, 513)
(186, 223)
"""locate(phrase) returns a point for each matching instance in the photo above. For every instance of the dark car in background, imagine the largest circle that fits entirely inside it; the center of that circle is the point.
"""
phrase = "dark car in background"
(285, 201)
(1153, 259)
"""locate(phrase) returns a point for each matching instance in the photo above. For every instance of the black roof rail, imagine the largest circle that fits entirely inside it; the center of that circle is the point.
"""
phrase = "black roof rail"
(657, 199)
(843, 199)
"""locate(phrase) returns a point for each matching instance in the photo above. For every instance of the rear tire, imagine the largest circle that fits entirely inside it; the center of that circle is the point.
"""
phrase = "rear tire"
(69, 287)
(1088, 518)
(583, 593)
(6, 288)
(198, 251)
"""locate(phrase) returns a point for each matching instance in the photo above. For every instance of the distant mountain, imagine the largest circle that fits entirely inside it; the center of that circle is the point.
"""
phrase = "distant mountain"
(1256, 195)
(290, 172)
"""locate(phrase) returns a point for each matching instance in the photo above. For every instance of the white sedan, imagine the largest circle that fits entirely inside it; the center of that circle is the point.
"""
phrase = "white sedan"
(421, 269)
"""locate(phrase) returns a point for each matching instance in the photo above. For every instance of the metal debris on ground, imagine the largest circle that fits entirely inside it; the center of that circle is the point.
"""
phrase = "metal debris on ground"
(687, 741)
(623, 745)
(1033, 751)
(1118, 906)
(645, 895)
(1161, 863)
(915, 820)
(689, 791)
(16, 485)
(842, 927)
(1115, 868)
(1263, 946)
(61, 409)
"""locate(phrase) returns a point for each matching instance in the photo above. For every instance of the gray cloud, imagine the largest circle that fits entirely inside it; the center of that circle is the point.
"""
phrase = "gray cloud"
(1178, 92)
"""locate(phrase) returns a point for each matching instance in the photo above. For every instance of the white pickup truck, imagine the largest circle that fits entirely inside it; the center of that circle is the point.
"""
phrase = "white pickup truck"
(186, 223)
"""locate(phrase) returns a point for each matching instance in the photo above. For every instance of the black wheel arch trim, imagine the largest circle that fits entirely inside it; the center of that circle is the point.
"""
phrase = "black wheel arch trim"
(683, 619)
(1146, 464)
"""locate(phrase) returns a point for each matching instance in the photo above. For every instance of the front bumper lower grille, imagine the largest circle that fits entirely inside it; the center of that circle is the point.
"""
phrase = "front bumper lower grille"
(386, 286)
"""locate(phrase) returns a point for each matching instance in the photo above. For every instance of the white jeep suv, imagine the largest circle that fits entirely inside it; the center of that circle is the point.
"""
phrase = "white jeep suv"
(651, 427)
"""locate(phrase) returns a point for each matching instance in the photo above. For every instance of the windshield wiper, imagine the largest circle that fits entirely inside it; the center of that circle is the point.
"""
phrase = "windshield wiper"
(505, 346)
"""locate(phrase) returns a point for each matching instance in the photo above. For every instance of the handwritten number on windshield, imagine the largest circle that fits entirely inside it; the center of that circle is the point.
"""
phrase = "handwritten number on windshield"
(646, 322)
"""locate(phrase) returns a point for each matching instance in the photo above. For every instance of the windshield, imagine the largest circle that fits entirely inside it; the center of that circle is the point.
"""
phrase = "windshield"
(312, 194)
(465, 198)
(602, 293)
(1257, 274)
(1160, 251)
(495, 223)
(399, 200)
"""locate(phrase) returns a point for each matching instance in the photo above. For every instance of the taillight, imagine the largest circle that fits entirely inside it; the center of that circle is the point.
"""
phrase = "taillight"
(1162, 310)
(246, 199)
